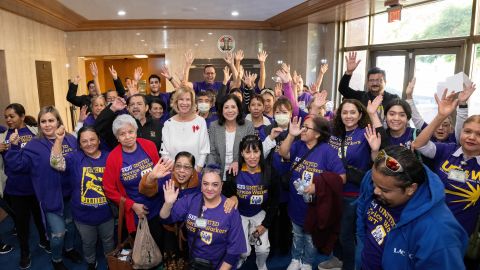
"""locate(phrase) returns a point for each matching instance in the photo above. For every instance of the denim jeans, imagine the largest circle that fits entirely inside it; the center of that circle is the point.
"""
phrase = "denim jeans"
(89, 236)
(62, 231)
(347, 233)
(302, 246)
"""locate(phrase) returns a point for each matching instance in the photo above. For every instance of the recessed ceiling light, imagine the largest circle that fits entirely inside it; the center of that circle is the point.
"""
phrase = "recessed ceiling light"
(196, 44)
(121, 13)
(138, 34)
(210, 33)
(142, 40)
(234, 13)
(140, 56)
(164, 27)
(202, 40)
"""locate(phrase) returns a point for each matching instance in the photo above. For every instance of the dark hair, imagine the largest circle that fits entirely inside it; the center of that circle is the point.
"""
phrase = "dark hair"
(251, 142)
(240, 119)
(339, 126)
(322, 126)
(257, 97)
(85, 129)
(207, 66)
(402, 103)
(413, 170)
(377, 70)
(188, 155)
(17, 108)
(137, 95)
(90, 82)
(154, 76)
(30, 121)
(306, 86)
(282, 101)
(157, 101)
(236, 90)
(126, 78)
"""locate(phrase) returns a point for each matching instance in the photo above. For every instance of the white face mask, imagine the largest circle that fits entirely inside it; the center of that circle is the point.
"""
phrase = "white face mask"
(203, 107)
(282, 119)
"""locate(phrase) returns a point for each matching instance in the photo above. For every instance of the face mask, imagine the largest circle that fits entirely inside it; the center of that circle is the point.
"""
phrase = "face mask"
(282, 119)
(203, 107)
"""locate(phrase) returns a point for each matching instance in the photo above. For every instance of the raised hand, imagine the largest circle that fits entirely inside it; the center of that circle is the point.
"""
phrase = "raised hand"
(249, 79)
(295, 78)
(165, 72)
(373, 105)
(466, 93)
(275, 132)
(60, 133)
(352, 62)
(373, 138)
(170, 193)
(118, 104)
(262, 56)
(14, 138)
(189, 57)
(295, 129)
(323, 69)
(113, 72)
(163, 167)
(228, 58)
(278, 90)
(410, 88)
(76, 80)
(226, 75)
(94, 69)
(138, 74)
(132, 87)
(283, 75)
(446, 104)
(239, 56)
(83, 114)
(314, 88)
(320, 99)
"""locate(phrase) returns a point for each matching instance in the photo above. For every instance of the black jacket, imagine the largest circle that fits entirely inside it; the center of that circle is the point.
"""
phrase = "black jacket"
(82, 100)
(362, 96)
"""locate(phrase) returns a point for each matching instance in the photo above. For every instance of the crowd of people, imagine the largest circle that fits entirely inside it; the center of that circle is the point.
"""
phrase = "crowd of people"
(219, 169)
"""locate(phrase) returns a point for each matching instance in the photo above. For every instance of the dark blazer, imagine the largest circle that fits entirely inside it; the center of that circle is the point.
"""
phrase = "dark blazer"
(217, 142)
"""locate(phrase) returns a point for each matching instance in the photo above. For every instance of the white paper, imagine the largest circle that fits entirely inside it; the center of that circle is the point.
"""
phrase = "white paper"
(453, 84)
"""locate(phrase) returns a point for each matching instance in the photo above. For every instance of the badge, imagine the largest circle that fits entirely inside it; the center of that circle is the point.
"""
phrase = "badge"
(201, 223)
(379, 234)
(457, 175)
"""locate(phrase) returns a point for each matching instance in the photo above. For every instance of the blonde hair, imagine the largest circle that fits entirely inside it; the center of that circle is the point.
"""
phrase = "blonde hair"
(52, 110)
(181, 91)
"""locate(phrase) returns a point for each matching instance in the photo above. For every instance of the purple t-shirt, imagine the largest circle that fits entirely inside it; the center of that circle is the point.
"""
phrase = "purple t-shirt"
(323, 159)
(379, 222)
(89, 121)
(251, 193)
(134, 166)
(405, 139)
(212, 117)
(222, 237)
(2, 129)
(89, 204)
(18, 183)
(460, 196)
(204, 86)
(303, 101)
(356, 151)
(450, 139)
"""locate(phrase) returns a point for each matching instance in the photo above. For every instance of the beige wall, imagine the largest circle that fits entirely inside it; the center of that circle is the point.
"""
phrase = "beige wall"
(25, 41)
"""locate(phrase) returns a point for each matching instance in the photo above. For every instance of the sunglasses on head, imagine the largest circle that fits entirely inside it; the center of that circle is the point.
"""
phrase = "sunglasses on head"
(390, 163)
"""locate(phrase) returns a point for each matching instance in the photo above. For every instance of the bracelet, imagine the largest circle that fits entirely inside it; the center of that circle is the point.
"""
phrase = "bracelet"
(463, 106)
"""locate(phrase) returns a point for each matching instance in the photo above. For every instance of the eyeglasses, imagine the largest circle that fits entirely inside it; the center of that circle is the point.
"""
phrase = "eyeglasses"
(391, 163)
(303, 126)
(179, 167)
(375, 80)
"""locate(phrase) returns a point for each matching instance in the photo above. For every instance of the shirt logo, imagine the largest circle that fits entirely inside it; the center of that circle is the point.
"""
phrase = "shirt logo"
(195, 128)
(206, 237)
(379, 234)
(152, 134)
(256, 199)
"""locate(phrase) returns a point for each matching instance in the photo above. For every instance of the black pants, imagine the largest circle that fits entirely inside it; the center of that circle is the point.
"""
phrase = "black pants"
(23, 207)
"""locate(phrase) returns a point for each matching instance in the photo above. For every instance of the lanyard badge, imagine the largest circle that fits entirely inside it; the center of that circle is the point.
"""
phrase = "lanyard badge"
(457, 175)
(201, 222)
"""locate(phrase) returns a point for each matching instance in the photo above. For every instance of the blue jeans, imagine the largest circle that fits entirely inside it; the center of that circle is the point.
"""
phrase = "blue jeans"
(62, 231)
(347, 233)
(302, 246)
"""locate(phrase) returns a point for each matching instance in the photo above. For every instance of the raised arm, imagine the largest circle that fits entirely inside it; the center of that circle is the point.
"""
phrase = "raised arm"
(462, 111)
(170, 195)
(238, 58)
(57, 160)
(94, 71)
(117, 82)
(165, 72)
(72, 93)
(446, 105)
(262, 56)
(321, 73)
(288, 91)
(344, 85)
(416, 117)
(229, 59)
(293, 131)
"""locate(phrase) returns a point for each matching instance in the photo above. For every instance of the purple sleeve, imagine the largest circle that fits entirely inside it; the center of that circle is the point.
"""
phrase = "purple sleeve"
(236, 240)
(288, 92)
(180, 209)
(444, 150)
(294, 149)
(335, 163)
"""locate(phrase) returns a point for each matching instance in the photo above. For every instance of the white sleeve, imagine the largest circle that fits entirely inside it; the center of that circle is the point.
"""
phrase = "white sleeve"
(416, 117)
(268, 144)
(462, 114)
(429, 150)
(204, 144)
(164, 148)
(78, 126)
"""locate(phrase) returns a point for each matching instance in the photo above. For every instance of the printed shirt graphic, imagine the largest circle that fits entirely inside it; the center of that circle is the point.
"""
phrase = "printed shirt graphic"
(323, 158)
(405, 140)
(380, 221)
(223, 233)
(462, 196)
(89, 204)
(134, 166)
(251, 194)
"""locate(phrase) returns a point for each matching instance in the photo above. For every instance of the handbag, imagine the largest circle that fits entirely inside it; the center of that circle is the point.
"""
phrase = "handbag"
(120, 258)
(146, 253)
(354, 175)
(473, 249)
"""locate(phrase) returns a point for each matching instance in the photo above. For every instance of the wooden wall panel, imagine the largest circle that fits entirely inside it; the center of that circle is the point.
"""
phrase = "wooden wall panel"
(4, 94)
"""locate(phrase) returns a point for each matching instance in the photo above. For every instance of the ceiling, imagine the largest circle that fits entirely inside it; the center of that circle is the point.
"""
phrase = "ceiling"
(252, 10)
(91, 15)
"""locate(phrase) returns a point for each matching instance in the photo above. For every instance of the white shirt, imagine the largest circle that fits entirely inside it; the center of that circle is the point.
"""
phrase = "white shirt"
(229, 141)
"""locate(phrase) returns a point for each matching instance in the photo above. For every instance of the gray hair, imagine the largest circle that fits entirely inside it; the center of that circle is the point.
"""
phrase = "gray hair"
(123, 120)
(212, 169)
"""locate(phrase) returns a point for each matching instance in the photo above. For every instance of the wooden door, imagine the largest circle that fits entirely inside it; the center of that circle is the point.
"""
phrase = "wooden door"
(46, 96)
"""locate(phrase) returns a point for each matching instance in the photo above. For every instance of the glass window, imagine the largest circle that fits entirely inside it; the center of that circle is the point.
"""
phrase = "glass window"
(356, 32)
(474, 102)
(394, 66)
(439, 19)
(358, 78)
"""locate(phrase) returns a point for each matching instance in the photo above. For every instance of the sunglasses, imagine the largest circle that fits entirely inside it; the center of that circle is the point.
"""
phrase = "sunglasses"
(391, 163)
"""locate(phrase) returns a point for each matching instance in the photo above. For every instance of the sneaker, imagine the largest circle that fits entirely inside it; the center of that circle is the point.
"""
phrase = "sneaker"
(73, 256)
(332, 264)
(59, 265)
(305, 267)
(25, 262)
(4, 248)
(92, 266)
(46, 247)
(294, 265)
